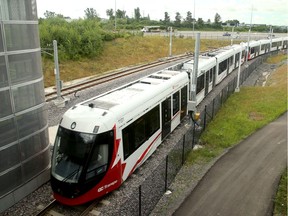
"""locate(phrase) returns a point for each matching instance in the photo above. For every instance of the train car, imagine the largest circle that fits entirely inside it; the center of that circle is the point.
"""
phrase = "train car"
(100, 142)
(277, 44)
(239, 50)
(285, 42)
(205, 77)
(225, 59)
(264, 46)
(253, 49)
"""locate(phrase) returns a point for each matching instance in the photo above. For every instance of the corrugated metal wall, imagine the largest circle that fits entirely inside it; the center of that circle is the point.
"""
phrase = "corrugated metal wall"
(24, 145)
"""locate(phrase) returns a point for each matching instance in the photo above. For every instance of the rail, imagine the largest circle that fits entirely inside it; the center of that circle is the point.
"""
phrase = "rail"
(56, 208)
(73, 89)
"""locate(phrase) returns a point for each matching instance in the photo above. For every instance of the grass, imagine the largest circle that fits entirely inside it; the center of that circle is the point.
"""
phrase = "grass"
(280, 201)
(124, 52)
(253, 107)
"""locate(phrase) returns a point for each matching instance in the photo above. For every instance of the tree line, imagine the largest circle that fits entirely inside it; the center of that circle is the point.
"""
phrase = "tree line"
(85, 37)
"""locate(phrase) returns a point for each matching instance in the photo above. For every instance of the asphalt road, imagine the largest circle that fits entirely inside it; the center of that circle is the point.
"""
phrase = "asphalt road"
(243, 182)
(217, 35)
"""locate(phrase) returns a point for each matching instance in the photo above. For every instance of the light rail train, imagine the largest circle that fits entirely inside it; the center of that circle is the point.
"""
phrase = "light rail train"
(102, 141)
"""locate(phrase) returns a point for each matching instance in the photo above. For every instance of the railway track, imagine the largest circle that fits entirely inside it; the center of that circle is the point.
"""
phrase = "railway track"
(73, 89)
(55, 208)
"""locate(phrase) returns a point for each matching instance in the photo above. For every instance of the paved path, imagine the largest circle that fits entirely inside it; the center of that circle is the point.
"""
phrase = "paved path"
(243, 182)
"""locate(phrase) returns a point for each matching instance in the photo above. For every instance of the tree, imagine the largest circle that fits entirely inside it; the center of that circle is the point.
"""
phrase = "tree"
(233, 22)
(166, 19)
(90, 13)
(189, 18)
(50, 14)
(120, 14)
(137, 14)
(200, 22)
(178, 18)
(110, 14)
(217, 19)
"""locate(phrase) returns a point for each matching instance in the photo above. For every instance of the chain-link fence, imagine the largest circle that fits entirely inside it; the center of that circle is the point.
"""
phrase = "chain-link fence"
(145, 198)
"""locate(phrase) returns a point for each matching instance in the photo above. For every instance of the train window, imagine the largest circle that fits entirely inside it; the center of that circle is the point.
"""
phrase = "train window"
(176, 103)
(222, 66)
(210, 75)
(237, 58)
(231, 60)
(153, 120)
(140, 130)
(200, 83)
(99, 161)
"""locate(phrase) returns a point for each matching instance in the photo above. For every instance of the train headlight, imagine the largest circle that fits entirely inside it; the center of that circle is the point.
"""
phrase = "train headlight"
(196, 116)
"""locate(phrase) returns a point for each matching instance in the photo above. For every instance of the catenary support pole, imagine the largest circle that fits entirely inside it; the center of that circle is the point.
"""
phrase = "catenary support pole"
(57, 72)
(195, 68)
(170, 43)
(237, 89)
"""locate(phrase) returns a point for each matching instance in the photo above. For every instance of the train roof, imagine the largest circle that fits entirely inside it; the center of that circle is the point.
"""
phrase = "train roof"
(222, 53)
(132, 90)
(124, 102)
(204, 63)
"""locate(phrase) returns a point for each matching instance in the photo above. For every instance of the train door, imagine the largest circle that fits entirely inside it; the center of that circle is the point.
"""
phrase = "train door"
(166, 117)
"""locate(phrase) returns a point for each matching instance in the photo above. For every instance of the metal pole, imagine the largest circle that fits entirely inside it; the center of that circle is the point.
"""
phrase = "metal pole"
(232, 35)
(195, 69)
(271, 32)
(249, 37)
(170, 44)
(140, 200)
(166, 174)
(194, 18)
(237, 89)
(183, 150)
(115, 15)
(57, 72)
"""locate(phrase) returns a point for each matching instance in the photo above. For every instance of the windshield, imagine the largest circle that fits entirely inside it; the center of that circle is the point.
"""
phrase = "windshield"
(71, 149)
(81, 155)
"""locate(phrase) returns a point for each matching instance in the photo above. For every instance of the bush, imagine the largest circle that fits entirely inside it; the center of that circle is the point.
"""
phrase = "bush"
(77, 39)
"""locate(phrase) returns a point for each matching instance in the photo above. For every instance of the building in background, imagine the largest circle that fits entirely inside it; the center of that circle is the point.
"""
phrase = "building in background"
(24, 145)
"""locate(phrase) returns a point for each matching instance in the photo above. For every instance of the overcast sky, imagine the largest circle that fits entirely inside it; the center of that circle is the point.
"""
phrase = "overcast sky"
(270, 12)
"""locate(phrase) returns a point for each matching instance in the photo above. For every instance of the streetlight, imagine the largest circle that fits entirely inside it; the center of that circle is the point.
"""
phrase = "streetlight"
(249, 37)
(115, 15)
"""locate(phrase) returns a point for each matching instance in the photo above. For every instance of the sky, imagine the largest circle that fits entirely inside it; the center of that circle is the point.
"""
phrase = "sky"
(269, 12)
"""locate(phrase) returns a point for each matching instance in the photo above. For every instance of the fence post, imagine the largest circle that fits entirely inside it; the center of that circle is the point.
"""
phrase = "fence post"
(193, 139)
(205, 116)
(140, 201)
(166, 174)
(213, 108)
(221, 99)
(183, 152)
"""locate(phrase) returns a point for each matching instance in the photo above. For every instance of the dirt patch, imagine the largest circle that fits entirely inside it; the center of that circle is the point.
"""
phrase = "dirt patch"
(256, 116)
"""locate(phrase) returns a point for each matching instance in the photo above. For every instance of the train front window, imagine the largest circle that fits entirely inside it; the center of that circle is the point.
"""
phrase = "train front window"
(71, 150)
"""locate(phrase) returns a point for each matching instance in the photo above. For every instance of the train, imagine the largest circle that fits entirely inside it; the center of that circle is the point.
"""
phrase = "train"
(100, 142)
